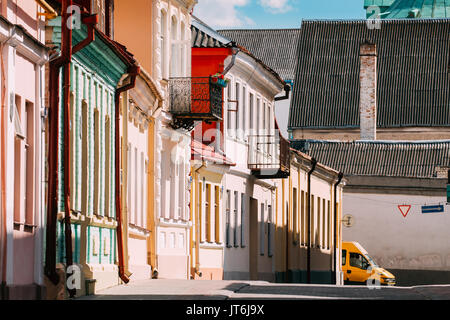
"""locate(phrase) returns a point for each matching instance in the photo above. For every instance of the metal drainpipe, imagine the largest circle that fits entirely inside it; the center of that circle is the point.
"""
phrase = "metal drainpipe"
(50, 13)
(197, 218)
(333, 274)
(3, 174)
(63, 60)
(235, 51)
(287, 90)
(133, 72)
(67, 48)
(287, 228)
(308, 256)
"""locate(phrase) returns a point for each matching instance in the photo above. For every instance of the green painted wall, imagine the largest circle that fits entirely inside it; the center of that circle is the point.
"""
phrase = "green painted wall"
(95, 73)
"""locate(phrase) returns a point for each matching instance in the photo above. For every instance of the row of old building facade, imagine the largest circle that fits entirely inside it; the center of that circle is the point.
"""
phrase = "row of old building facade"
(138, 143)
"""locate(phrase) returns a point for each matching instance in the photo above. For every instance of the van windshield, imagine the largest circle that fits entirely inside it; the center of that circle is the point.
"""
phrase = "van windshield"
(372, 262)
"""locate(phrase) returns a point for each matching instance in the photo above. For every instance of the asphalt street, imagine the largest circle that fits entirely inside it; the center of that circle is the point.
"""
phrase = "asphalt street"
(260, 290)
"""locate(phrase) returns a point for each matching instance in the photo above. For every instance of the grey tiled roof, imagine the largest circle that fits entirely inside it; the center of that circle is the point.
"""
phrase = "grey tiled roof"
(205, 37)
(421, 159)
(275, 47)
(413, 73)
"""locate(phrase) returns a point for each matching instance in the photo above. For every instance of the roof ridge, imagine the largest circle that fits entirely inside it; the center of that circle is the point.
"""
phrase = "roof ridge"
(260, 29)
(361, 20)
(392, 142)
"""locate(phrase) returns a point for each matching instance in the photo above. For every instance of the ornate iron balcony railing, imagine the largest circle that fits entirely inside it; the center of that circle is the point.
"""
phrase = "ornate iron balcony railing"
(269, 156)
(195, 99)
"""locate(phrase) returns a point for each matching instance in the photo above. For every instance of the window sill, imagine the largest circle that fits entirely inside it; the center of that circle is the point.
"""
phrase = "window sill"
(211, 245)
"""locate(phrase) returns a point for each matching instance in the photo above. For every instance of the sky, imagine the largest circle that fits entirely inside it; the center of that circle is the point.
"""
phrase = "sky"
(265, 14)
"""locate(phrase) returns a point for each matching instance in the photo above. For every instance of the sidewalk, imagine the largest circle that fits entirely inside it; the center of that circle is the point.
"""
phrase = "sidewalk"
(261, 290)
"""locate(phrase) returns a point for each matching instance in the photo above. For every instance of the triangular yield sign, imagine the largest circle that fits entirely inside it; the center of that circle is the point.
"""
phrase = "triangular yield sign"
(404, 209)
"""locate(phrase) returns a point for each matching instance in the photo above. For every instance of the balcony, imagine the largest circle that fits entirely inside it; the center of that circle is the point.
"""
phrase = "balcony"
(195, 99)
(269, 156)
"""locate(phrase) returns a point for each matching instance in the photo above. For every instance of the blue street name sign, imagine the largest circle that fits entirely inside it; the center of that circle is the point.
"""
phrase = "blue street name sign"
(433, 209)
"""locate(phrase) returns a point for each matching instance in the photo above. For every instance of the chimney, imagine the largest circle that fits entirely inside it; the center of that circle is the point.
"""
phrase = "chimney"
(368, 91)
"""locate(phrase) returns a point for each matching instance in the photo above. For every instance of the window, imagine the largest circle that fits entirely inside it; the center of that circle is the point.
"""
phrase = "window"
(243, 220)
(96, 162)
(229, 113)
(358, 261)
(324, 224)
(174, 52)
(182, 50)
(72, 148)
(136, 187)
(181, 191)
(251, 114)
(264, 124)
(330, 223)
(262, 235)
(162, 43)
(97, 7)
(29, 164)
(244, 112)
(344, 257)
(142, 192)
(258, 111)
(84, 157)
(294, 216)
(227, 217)
(208, 213)
(270, 232)
(108, 166)
(318, 226)
(270, 125)
(24, 163)
(238, 111)
(217, 214)
(235, 217)
(201, 212)
(303, 218)
(18, 176)
(311, 219)
(129, 186)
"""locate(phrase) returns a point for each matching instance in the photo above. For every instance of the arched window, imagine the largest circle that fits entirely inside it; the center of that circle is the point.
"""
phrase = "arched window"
(183, 49)
(163, 44)
(174, 63)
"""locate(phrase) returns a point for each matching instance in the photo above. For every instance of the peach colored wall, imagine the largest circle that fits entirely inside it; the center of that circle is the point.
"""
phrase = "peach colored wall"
(133, 28)
(23, 12)
(26, 83)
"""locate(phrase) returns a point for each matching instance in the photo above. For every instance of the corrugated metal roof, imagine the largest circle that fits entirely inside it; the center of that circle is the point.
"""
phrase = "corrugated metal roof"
(276, 47)
(413, 73)
(421, 159)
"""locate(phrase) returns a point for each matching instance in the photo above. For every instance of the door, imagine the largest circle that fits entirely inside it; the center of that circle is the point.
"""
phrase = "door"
(358, 266)
(344, 264)
(253, 245)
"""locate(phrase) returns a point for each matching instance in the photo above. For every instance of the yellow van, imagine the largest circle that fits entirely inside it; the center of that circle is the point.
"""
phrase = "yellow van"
(358, 267)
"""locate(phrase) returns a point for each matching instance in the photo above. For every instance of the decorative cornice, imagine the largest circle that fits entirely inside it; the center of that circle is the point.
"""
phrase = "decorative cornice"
(16, 36)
